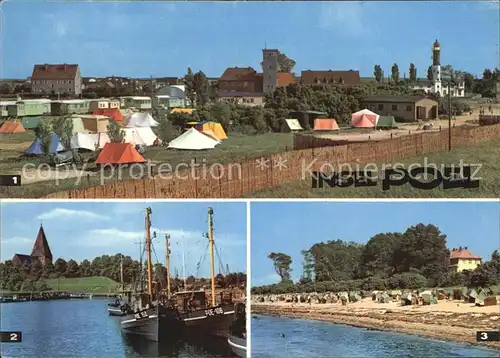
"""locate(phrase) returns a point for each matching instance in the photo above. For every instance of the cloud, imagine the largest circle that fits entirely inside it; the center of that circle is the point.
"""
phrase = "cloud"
(16, 241)
(16, 244)
(347, 18)
(60, 213)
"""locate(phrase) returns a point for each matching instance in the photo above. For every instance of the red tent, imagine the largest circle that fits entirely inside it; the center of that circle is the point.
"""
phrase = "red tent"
(119, 153)
(325, 124)
(113, 113)
(12, 127)
(364, 122)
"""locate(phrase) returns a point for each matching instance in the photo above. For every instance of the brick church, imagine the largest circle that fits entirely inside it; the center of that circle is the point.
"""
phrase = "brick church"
(41, 251)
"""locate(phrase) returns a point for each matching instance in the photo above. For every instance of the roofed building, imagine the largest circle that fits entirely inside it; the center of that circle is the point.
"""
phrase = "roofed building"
(40, 252)
(403, 109)
(462, 259)
(56, 79)
(346, 78)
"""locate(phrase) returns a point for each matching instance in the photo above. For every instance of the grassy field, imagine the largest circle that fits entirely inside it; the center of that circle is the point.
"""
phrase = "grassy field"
(96, 284)
(487, 154)
(235, 149)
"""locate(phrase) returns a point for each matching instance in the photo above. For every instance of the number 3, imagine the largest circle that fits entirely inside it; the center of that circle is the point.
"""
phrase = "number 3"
(484, 336)
(13, 336)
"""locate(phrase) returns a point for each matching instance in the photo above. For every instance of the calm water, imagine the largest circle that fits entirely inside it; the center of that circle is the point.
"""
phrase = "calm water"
(305, 338)
(82, 328)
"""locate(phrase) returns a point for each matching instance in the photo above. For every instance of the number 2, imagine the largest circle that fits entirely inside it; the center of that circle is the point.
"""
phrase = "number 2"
(13, 337)
(484, 336)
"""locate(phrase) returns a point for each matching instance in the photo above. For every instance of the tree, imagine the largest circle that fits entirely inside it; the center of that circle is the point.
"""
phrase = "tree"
(413, 72)
(115, 133)
(395, 74)
(189, 84)
(72, 269)
(285, 63)
(487, 74)
(164, 130)
(378, 255)
(378, 73)
(6, 88)
(201, 88)
(63, 127)
(61, 266)
(219, 280)
(281, 263)
(44, 133)
(84, 269)
(336, 260)
(307, 266)
(430, 75)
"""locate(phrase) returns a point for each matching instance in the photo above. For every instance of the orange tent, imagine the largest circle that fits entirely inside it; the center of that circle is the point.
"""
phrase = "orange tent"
(12, 127)
(364, 122)
(113, 113)
(119, 153)
(325, 124)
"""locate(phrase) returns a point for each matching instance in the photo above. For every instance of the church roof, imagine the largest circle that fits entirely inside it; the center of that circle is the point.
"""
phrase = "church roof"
(436, 43)
(23, 258)
(41, 247)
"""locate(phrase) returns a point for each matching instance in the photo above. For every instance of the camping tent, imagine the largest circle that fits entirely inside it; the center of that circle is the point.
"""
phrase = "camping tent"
(386, 122)
(11, 127)
(140, 119)
(119, 153)
(78, 125)
(193, 140)
(183, 110)
(113, 113)
(211, 134)
(215, 127)
(89, 141)
(358, 116)
(325, 124)
(363, 122)
(131, 136)
(147, 135)
(36, 147)
(291, 125)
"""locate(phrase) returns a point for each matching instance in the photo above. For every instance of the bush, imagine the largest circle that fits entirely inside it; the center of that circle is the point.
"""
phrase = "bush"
(374, 283)
(407, 280)
(487, 120)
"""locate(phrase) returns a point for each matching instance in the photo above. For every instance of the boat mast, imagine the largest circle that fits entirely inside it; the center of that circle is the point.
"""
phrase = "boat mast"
(211, 242)
(121, 271)
(148, 251)
(167, 262)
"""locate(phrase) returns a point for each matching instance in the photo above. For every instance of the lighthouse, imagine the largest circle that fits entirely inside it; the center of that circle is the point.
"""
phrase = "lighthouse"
(436, 67)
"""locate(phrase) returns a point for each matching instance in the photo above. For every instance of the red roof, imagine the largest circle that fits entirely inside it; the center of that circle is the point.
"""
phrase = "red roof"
(113, 113)
(238, 74)
(285, 79)
(54, 72)
(463, 253)
(325, 124)
(119, 153)
(41, 247)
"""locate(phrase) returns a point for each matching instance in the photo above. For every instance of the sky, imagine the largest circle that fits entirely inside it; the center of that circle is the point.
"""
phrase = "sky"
(142, 39)
(85, 230)
(300, 225)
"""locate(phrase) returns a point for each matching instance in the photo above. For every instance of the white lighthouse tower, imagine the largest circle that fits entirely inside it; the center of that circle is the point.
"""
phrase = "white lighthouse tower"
(436, 68)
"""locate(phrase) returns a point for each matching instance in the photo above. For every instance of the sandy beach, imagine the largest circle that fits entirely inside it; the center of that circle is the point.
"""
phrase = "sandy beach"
(447, 320)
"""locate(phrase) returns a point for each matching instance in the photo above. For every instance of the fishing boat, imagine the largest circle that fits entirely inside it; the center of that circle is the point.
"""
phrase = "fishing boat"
(149, 319)
(118, 308)
(195, 314)
(237, 338)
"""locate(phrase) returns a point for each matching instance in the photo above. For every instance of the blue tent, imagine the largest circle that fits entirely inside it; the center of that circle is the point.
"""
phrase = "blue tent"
(36, 147)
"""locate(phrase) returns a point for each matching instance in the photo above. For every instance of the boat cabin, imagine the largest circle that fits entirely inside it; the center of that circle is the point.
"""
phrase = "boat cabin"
(189, 300)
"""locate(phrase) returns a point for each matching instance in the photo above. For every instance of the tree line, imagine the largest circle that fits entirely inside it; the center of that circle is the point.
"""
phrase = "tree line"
(412, 259)
(33, 276)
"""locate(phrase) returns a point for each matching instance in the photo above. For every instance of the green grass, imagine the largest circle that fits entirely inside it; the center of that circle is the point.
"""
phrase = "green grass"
(487, 154)
(235, 149)
(95, 284)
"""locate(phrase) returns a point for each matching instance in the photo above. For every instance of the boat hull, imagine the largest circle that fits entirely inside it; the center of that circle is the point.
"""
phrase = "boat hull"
(238, 345)
(203, 321)
(115, 311)
(152, 324)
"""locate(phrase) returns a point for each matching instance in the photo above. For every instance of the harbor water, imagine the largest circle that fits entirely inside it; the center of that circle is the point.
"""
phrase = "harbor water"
(276, 337)
(82, 328)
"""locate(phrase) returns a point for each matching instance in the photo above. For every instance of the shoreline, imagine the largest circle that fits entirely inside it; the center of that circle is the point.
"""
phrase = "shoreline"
(446, 326)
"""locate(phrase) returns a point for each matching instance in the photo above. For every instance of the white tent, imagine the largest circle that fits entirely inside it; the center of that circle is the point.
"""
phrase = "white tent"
(193, 140)
(131, 136)
(293, 124)
(147, 135)
(364, 111)
(89, 141)
(140, 119)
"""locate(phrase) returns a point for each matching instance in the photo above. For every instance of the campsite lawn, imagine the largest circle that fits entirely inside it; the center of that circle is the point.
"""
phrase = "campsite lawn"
(235, 149)
(487, 154)
(95, 284)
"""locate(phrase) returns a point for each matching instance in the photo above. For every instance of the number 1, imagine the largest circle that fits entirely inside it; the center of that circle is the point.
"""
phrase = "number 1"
(14, 180)
(13, 336)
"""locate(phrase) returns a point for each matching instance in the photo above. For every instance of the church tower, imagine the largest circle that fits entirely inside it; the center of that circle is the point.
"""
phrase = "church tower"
(270, 70)
(41, 249)
(436, 67)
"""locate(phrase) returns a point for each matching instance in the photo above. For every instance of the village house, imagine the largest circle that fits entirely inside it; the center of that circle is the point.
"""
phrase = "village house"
(344, 78)
(403, 109)
(104, 103)
(462, 259)
(171, 96)
(69, 106)
(30, 107)
(40, 252)
(139, 102)
(56, 79)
